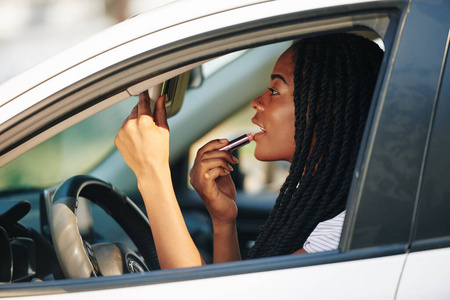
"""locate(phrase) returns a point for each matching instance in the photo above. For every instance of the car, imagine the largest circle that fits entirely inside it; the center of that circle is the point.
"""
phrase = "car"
(72, 221)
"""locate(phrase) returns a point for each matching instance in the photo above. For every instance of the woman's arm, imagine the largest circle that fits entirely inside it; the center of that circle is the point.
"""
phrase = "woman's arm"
(300, 251)
(210, 176)
(226, 244)
(143, 142)
(173, 242)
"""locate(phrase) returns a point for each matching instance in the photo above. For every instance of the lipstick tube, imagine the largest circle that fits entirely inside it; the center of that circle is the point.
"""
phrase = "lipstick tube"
(238, 142)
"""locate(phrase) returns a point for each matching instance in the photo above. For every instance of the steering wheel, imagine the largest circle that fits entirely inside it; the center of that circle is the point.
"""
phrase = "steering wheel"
(77, 258)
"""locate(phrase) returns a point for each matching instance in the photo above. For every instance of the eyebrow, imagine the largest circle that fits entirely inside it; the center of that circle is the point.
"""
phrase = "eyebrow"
(274, 76)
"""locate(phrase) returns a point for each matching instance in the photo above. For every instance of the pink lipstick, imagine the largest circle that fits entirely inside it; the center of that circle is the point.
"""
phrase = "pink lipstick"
(238, 142)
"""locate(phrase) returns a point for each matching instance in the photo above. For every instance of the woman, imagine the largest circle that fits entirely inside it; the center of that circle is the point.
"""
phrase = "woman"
(312, 115)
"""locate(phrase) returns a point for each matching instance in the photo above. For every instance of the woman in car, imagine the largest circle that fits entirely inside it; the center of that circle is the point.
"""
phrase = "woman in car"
(312, 115)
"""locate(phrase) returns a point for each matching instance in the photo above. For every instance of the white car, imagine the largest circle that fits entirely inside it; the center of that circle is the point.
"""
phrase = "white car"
(58, 122)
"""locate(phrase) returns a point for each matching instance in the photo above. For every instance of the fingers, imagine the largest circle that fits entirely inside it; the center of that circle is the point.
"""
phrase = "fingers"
(203, 178)
(212, 146)
(214, 158)
(199, 176)
(210, 166)
(144, 105)
(160, 112)
(209, 158)
(133, 115)
(217, 154)
(213, 174)
(143, 109)
(214, 163)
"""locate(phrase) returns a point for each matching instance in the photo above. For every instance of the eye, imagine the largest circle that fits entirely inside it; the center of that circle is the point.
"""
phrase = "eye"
(273, 92)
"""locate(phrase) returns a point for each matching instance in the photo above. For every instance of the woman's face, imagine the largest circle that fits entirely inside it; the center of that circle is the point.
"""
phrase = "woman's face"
(275, 113)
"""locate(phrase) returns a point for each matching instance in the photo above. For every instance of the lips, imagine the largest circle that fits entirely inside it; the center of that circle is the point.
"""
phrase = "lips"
(261, 127)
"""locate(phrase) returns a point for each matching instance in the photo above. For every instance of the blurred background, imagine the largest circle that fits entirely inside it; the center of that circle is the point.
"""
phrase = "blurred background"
(32, 31)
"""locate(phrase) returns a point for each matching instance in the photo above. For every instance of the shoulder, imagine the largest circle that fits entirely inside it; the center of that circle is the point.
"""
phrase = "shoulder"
(326, 235)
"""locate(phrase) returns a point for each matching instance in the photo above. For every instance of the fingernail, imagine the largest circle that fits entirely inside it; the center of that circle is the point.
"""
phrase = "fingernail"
(143, 96)
(230, 168)
(223, 141)
(234, 159)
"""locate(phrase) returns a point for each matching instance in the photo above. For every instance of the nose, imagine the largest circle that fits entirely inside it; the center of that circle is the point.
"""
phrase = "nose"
(257, 103)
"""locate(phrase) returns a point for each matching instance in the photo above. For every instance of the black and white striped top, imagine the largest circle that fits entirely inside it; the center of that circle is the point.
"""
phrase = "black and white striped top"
(326, 235)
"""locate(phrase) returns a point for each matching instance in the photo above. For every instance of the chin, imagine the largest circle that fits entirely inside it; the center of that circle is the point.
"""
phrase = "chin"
(264, 156)
(259, 155)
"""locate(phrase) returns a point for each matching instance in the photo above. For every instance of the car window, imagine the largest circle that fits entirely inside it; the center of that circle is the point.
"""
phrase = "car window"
(74, 151)
(387, 198)
(434, 207)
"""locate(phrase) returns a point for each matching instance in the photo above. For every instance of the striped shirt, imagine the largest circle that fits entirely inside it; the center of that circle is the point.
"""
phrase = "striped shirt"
(326, 235)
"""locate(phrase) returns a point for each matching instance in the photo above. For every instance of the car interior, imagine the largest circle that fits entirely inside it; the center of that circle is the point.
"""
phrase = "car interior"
(88, 148)
(208, 99)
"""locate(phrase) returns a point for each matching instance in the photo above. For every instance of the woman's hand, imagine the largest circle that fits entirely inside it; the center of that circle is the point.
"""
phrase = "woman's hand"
(210, 176)
(143, 140)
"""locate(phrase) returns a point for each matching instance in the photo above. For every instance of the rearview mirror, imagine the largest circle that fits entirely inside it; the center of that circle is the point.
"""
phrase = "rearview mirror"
(174, 88)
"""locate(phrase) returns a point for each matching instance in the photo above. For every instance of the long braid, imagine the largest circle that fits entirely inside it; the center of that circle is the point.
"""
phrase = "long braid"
(278, 215)
(334, 79)
(308, 155)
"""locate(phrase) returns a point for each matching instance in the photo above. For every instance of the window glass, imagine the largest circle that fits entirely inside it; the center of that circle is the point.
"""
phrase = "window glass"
(73, 151)
(211, 67)
(434, 208)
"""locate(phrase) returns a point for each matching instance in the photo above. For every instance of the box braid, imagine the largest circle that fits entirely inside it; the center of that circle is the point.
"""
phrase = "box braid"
(334, 79)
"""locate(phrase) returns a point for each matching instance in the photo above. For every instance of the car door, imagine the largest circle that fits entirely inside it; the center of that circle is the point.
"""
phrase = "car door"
(427, 268)
(400, 187)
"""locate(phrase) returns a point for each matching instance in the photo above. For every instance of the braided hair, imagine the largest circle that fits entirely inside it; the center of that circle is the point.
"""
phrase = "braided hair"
(334, 79)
